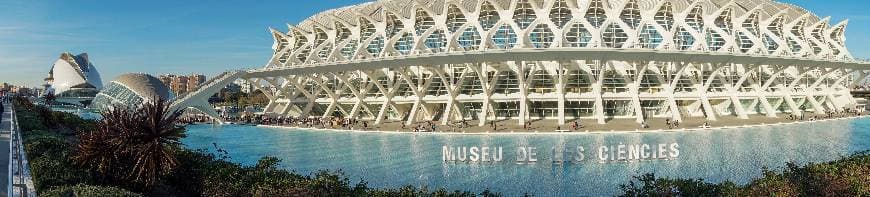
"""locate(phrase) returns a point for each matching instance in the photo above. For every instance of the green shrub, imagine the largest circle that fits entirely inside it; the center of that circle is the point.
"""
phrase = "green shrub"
(89, 191)
(29, 121)
(849, 176)
(649, 185)
(413, 191)
(52, 167)
(38, 143)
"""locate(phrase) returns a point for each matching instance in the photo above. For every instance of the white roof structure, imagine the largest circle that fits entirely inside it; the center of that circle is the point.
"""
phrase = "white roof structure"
(71, 72)
(389, 28)
(452, 60)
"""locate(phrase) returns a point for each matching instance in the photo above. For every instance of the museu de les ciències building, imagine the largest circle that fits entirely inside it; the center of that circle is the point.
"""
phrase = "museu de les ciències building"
(448, 60)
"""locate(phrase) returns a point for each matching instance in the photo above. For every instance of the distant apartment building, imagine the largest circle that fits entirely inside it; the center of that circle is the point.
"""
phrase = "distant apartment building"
(194, 79)
(182, 84)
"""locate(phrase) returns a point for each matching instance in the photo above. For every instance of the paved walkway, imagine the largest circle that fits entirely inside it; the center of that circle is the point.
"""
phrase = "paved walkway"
(623, 124)
(5, 130)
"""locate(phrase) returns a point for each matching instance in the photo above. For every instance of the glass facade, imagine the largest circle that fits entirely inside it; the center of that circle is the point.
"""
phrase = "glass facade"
(124, 92)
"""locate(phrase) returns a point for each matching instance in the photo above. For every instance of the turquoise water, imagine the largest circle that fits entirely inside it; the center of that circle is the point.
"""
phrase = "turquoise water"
(394, 160)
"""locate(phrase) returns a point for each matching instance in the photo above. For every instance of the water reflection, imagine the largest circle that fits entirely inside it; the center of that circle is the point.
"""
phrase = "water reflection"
(394, 160)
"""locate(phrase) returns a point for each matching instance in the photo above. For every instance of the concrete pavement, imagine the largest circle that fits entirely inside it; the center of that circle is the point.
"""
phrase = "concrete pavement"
(5, 130)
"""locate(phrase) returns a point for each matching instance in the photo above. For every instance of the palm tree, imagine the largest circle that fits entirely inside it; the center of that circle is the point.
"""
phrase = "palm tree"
(133, 145)
(155, 135)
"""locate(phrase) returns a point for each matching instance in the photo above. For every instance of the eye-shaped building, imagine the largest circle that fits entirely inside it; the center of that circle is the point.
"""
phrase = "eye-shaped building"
(131, 90)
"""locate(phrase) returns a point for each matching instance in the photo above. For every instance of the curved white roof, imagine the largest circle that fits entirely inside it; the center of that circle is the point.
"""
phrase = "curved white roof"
(74, 72)
(406, 27)
(144, 85)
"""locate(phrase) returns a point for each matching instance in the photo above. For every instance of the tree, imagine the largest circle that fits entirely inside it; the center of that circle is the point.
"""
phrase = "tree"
(132, 145)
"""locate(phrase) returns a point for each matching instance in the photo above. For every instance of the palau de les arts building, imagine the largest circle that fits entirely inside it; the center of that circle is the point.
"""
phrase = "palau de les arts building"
(483, 60)
(73, 79)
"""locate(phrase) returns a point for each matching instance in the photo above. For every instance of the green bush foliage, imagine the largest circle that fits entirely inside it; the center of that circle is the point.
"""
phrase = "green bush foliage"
(50, 162)
(88, 191)
(849, 176)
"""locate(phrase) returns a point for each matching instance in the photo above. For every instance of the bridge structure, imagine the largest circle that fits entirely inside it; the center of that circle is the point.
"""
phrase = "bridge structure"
(522, 60)
(198, 99)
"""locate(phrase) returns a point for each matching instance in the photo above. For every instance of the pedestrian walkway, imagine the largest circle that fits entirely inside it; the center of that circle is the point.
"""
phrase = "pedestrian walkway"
(5, 130)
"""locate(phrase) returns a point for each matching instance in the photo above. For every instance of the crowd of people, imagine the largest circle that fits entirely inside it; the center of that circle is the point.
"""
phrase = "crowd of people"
(672, 123)
(829, 114)
(310, 122)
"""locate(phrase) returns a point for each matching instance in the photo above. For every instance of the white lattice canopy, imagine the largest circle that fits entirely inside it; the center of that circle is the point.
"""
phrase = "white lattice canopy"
(389, 28)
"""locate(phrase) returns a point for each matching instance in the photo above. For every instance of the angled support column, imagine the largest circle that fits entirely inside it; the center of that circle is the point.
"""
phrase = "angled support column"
(672, 101)
(330, 93)
(761, 94)
(560, 92)
(709, 111)
(817, 107)
(488, 89)
(831, 102)
(635, 91)
(523, 84)
(789, 101)
(738, 106)
(199, 99)
(256, 83)
(452, 91)
(733, 90)
(206, 108)
(762, 100)
(708, 108)
(297, 81)
(419, 92)
(388, 93)
(812, 92)
(597, 90)
(288, 95)
(789, 92)
(360, 104)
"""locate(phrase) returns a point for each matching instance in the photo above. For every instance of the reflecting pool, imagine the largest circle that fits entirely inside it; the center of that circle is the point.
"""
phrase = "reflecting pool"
(395, 160)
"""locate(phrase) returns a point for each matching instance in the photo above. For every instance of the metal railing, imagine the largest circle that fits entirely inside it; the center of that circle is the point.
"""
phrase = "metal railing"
(20, 181)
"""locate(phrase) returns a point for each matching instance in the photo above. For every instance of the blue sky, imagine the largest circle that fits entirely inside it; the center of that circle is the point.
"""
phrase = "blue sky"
(205, 36)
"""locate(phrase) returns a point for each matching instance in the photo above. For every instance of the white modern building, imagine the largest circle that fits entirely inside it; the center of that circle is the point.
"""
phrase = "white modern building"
(522, 60)
(73, 79)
